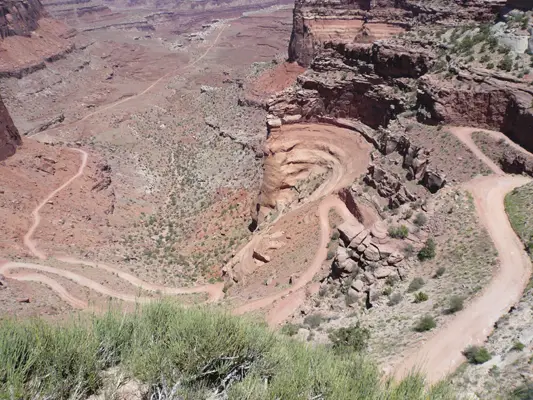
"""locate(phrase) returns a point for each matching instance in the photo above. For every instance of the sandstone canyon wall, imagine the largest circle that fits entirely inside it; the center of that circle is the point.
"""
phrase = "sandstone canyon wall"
(19, 17)
(317, 22)
(353, 75)
(9, 135)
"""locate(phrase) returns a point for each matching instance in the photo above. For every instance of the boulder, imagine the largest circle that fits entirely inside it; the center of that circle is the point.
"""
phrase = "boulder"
(433, 180)
(361, 248)
(342, 255)
(382, 272)
(348, 265)
(395, 258)
(358, 239)
(358, 285)
(349, 231)
(261, 257)
(368, 278)
(385, 250)
(273, 123)
(372, 253)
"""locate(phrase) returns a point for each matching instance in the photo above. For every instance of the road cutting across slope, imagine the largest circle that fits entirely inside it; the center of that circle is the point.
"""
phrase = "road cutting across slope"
(442, 352)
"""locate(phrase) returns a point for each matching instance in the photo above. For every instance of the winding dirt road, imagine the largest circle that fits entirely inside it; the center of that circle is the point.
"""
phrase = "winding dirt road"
(279, 314)
(442, 353)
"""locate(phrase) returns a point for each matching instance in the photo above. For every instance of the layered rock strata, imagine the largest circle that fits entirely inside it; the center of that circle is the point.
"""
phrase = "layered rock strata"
(9, 135)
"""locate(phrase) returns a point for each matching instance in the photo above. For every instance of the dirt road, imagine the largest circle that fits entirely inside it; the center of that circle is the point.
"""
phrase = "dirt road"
(280, 313)
(442, 352)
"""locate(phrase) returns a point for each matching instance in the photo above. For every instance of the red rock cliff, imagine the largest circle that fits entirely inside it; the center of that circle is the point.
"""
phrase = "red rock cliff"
(19, 17)
(9, 135)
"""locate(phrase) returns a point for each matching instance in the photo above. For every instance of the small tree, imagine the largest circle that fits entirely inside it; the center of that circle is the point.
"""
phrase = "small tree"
(398, 232)
(415, 284)
(428, 251)
(456, 303)
(477, 354)
(420, 219)
(506, 63)
(353, 338)
(426, 323)
(420, 297)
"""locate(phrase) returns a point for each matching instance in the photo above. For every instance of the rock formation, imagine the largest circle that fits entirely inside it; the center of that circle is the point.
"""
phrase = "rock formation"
(19, 17)
(317, 22)
(356, 77)
(9, 135)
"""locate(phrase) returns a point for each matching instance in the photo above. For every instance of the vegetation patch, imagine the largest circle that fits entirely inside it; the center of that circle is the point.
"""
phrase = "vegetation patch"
(518, 205)
(196, 353)
(477, 354)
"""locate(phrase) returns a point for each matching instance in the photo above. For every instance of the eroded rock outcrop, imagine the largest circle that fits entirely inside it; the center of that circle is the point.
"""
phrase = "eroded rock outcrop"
(19, 17)
(317, 22)
(9, 135)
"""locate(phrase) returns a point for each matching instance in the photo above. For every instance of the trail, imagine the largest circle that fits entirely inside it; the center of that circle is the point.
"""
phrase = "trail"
(145, 91)
(278, 314)
(442, 353)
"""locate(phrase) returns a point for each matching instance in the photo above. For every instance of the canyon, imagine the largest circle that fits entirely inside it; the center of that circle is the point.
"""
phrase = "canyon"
(326, 165)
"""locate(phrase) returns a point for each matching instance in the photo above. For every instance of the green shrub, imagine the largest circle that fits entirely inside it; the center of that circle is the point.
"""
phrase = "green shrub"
(506, 63)
(440, 271)
(335, 235)
(395, 299)
(330, 255)
(195, 350)
(456, 303)
(485, 58)
(415, 284)
(420, 219)
(387, 290)
(420, 297)
(490, 65)
(398, 232)
(518, 346)
(353, 338)
(477, 354)
(426, 323)
(313, 321)
(522, 392)
(428, 251)
(289, 329)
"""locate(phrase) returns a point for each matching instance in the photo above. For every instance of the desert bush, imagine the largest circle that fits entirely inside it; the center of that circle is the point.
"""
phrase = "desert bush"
(518, 346)
(490, 65)
(335, 235)
(289, 329)
(398, 232)
(353, 338)
(387, 290)
(313, 321)
(477, 354)
(195, 350)
(506, 63)
(395, 299)
(522, 392)
(426, 323)
(485, 58)
(421, 297)
(456, 303)
(439, 272)
(415, 284)
(428, 251)
(420, 219)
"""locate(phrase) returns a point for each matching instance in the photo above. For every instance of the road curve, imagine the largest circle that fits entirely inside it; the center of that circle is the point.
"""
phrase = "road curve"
(441, 354)
(28, 242)
(277, 314)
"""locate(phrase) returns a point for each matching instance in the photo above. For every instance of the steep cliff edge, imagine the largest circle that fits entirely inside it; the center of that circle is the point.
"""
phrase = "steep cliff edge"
(316, 22)
(29, 37)
(470, 67)
(19, 17)
(9, 135)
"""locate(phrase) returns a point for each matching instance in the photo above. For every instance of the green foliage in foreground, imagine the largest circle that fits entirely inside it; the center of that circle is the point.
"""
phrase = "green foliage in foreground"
(518, 205)
(198, 351)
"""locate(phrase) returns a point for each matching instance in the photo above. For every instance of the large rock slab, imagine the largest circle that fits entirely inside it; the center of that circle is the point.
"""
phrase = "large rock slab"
(349, 230)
